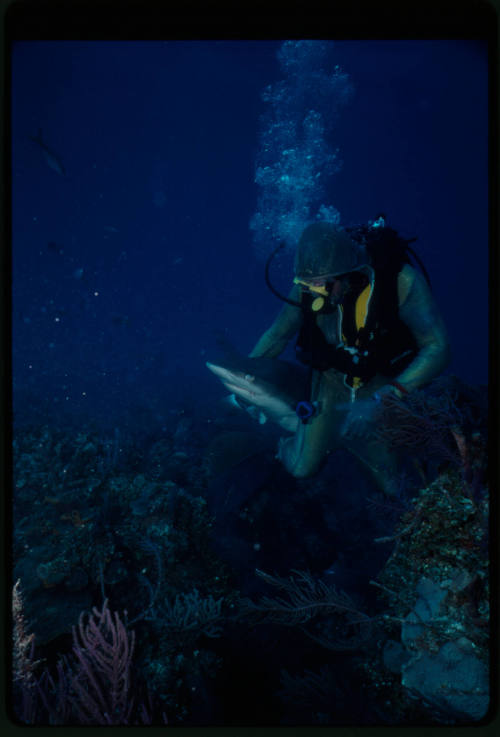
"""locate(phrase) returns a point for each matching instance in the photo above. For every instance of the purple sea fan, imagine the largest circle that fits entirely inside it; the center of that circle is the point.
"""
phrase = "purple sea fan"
(101, 684)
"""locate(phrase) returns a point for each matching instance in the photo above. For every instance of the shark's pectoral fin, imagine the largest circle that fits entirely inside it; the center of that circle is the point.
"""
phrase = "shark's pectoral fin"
(290, 422)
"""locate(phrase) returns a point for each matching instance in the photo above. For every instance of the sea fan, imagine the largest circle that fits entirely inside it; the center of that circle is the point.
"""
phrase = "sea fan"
(342, 625)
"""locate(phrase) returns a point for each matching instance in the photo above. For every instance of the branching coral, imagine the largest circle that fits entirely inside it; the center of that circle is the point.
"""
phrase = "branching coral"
(103, 648)
(93, 684)
(443, 423)
(421, 424)
(306, 599)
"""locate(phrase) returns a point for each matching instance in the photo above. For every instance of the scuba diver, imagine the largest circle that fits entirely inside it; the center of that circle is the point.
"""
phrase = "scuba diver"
(367, 325)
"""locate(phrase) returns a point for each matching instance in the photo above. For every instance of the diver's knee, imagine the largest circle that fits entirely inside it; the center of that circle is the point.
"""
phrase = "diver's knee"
(298, 463)
(298, 466)
(303, 472)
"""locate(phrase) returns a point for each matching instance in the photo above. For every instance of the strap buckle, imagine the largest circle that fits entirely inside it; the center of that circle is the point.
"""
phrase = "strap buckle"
(305, 410)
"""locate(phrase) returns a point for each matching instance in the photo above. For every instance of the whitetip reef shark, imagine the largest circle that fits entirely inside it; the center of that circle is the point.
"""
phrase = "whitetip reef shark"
(272, 386)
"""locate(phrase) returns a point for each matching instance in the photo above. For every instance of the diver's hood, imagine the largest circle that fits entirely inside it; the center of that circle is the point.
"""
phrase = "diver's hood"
(324, 250)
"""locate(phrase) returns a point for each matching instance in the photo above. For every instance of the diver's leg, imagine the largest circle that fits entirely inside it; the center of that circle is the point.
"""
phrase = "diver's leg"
(380, 461)
(303, 454)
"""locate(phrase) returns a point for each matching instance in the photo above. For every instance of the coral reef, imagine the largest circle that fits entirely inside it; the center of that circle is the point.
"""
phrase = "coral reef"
(426, 646)
(437, 584)
(384, 601)
(96, 519)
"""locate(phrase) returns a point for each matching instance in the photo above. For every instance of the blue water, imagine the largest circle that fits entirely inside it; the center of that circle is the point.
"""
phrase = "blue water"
(151, 250)
(142, 216)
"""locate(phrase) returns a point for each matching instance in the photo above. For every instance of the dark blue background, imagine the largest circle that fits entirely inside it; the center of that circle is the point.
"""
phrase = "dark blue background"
(159, 142)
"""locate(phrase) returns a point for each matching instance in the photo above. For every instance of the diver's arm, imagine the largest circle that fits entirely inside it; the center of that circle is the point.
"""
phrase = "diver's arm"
(274, 341)
(418, 310)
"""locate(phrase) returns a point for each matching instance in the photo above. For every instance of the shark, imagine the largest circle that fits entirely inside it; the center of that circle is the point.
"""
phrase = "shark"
(269, 388)
(51, 158)
(272, 389)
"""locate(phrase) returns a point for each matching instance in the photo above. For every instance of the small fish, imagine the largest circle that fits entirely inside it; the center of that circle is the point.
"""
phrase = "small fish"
(111, 229)
(51, 158)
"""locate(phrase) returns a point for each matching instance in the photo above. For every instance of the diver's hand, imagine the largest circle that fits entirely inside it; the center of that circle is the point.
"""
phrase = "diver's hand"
(359, 421)
(362, 415)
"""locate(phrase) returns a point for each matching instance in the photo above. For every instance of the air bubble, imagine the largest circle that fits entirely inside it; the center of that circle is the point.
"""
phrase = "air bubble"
(296, 157)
